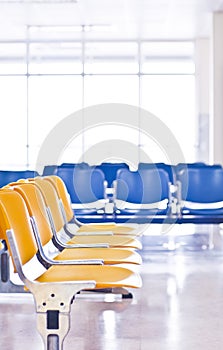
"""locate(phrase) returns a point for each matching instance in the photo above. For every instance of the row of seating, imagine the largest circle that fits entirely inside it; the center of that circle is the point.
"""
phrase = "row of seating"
(56, 257)
(146, 195)
(110, 169)
(149, 194)
(7, 176)
(197, 196)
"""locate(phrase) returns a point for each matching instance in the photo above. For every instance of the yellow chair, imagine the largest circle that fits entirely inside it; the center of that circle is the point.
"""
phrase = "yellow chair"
(57, 223)
(44, 236)
(69, 214)
(53, 288)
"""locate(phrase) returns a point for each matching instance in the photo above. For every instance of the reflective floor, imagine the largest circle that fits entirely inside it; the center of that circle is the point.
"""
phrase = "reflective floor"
(179, 307)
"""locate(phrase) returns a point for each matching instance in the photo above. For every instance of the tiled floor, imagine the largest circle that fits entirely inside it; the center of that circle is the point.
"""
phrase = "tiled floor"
(179, 307)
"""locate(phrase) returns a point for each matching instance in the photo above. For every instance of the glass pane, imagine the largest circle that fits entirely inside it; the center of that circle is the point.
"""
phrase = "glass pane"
(94, 146)
(167, 57)
(111, 89)
(13, 127)
(98, 90)
(171, 98)
(104, 57)
(50, 100)
(12, 58)
(55, 58)
(168, 67)
(167, 49)
(56, 32)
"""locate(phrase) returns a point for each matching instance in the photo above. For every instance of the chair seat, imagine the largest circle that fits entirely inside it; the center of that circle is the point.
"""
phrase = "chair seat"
(109, 256)
(104, 276)
(107, 227)
(193, 211)
(86, 211)
(143, 212)
(113, 241)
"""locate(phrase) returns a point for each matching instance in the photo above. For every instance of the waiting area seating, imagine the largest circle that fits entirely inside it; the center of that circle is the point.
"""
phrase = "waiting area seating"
(59, 251)
(69, 215)
(110, 171)
(7, 176)
(155, 192)
(201, 191)
(58, 223)
(142, 192)
(53, 269)
(161, 192)
(86, 188)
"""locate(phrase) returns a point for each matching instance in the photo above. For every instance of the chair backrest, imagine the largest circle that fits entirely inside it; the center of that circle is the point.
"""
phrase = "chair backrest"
(53, 169)
(142, 187)
(63, 195)
(181, 167)
(202, 185)
(51, 201)
(7, 176)
(14, 216)
(82, 165)
(49, 170)
(170, 169)
(110, 170)
(36, 207)
(83, 185)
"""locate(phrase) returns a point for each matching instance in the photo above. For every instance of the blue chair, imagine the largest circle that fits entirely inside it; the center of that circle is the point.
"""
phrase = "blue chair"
(181, 167)
(7, 176)
(86, 188)
(201, 191)
(143, 192)
(81, 165)
(50, 170)
(170, 169)
(110, 170)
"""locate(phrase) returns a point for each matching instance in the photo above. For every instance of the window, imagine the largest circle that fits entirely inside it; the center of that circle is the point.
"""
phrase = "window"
(12, 58)
(51, 98)
(49, 79)
(111, 58)
(13, 140)
(171, 98)
(55, 58)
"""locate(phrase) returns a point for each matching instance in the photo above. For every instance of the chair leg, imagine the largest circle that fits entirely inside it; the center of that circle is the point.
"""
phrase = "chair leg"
(53, 326)
(53, 303)
(53, 342)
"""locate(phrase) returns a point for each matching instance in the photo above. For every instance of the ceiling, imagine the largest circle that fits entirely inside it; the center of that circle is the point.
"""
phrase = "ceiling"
(118, 19)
